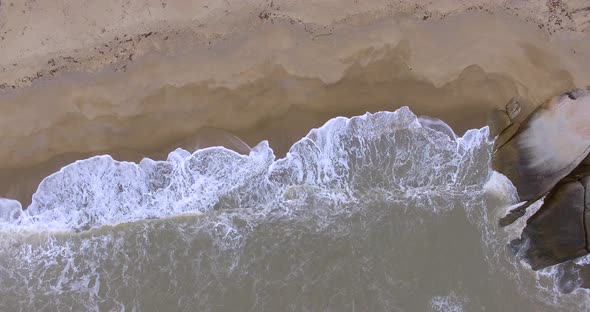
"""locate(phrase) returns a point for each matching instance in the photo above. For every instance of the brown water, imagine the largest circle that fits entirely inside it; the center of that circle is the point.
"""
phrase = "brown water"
(373, 213)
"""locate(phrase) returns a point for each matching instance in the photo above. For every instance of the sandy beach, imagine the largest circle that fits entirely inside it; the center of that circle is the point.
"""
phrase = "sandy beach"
(131, 79)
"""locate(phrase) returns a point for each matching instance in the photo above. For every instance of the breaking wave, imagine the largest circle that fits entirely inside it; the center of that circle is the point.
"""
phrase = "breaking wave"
(377, 212)
(343, 159)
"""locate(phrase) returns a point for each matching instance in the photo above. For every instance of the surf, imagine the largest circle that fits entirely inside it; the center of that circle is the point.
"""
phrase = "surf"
(400, 198)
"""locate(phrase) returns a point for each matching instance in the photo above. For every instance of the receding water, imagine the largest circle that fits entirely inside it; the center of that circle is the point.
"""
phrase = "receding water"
(374, 213)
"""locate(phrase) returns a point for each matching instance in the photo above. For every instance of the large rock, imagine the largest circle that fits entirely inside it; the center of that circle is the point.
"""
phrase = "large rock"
(537, 150)
(505, 123)
(557, 233)
(586, 184)
(547, 153)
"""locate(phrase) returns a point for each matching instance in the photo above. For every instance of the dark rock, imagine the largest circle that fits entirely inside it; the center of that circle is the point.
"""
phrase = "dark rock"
(513, 109)
(514, 162)
(506, 135)
(556, 233)
(531, 152)
(498, 120)
(546, 151)
(586, 182)
(583, 272)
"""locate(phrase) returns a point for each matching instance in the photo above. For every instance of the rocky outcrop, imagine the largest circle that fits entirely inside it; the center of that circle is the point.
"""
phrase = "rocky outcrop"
(546, 153)
(537, 148)
(558, 232)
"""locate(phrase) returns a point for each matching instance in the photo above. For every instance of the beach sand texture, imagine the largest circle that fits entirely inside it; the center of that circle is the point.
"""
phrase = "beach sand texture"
(80, 78)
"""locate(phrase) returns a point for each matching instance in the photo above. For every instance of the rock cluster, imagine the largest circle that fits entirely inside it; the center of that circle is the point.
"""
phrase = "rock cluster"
(545, 152)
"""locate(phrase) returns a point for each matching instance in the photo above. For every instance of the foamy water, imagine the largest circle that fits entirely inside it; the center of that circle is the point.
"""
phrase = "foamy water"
(380, 212)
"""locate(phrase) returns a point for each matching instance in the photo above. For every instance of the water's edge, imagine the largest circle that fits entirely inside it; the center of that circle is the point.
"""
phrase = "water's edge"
(382, 211)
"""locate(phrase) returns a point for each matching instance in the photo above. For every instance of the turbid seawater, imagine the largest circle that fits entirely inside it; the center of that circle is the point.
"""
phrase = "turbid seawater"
(380, 212)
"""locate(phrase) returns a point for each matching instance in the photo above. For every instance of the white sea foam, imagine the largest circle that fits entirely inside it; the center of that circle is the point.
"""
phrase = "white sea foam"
(10, 210)
(450, 303)
(392, 156)
(390, 151)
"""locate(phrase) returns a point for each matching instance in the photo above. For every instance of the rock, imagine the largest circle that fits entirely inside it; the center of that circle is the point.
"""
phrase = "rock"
(546, 146)
(504, 123)
(583, 272)
(556, 233)
(547, 152)
(586, 183)
(498, 120)
(506, 135)
(513, 109)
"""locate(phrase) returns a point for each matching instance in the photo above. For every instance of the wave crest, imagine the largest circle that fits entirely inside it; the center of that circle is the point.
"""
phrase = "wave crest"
(389, 152)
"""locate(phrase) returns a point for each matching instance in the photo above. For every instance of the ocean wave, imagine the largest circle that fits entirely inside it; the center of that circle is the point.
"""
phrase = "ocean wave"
(394, 152)
(381, 190)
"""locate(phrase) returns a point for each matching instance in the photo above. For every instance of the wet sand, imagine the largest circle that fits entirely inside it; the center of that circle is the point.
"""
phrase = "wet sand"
(374, 213)
(133, 79)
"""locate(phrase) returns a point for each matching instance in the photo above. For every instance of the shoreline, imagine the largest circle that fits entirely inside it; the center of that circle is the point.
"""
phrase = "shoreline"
(274, 71)
(259, 76)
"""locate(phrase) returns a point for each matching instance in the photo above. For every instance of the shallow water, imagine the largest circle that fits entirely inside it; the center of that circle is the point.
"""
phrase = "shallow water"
(373, 213)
